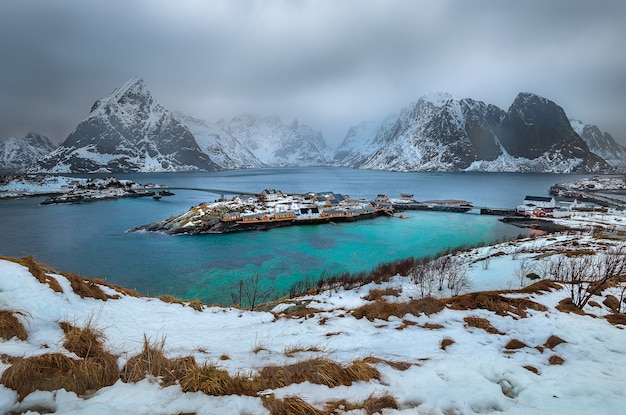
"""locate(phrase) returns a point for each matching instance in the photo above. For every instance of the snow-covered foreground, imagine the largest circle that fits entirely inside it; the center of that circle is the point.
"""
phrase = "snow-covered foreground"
(440, 363)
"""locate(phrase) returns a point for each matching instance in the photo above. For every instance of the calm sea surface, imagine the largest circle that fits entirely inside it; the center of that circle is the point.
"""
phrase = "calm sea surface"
(91, 238)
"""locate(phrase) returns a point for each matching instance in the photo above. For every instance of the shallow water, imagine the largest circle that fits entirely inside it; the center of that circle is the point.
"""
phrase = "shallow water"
(90, 238)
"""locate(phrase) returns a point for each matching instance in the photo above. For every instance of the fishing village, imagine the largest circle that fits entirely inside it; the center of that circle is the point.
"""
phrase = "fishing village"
(272, 208)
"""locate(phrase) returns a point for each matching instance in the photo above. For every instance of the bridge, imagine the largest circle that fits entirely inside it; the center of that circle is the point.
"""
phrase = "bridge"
(221, 192)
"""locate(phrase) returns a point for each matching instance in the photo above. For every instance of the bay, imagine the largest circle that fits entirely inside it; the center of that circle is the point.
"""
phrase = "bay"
(91, 238)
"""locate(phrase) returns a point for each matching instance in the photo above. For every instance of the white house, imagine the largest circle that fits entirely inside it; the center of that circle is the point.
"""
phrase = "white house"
(540, 201)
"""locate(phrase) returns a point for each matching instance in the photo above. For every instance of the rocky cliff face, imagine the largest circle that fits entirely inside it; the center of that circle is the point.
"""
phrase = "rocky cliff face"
(128, 131)
(439, 133)
(601, 143)
(18, 153)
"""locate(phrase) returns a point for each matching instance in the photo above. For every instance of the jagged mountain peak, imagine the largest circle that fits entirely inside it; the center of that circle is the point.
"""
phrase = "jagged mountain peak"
(128, 131)
(18, 153)
(438, 99)
(441, 133)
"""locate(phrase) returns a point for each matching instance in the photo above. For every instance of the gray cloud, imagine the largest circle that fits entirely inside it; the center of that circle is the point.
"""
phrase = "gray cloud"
(331, 63)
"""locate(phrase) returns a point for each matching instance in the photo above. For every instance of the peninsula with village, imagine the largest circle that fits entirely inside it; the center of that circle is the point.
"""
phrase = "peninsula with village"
(567, 203)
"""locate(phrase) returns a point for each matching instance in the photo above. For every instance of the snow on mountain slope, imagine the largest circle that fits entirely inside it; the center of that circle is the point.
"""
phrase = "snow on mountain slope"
(601, 143)
(277, 144)
(221, 146)
(18, 153)
(127, 131)
(440, 133)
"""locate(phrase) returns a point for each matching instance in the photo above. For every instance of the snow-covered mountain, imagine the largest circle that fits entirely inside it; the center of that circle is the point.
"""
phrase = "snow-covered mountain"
(221, 146)
(439, 133)
(601, 143)
(276, 144)
(128, 131)
(17, 153)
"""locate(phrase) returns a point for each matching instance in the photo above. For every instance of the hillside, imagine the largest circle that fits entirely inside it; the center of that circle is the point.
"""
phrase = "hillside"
(347, 349)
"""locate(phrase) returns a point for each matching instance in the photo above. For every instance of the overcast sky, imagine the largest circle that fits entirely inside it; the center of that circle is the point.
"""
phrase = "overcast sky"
(330, 63)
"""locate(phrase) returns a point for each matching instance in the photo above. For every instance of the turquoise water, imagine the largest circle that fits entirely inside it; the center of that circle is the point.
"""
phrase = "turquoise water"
(91, 238)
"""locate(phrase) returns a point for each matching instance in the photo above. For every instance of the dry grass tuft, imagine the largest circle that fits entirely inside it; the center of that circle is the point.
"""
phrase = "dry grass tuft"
(372, 405)
(540, 287)
(119, 289)
(515, 344)
(556, 360)
(211, 380)
(84, 287)
(616, 319)
(381, 309)
(481, 323)
(152, 362)
(319, 371)
(566, 305)
(405, 324)
(493, 301)
(612, 303)
(54, 371)
(170, 299)
(430, 326)
(532, 369)
(291, 351)
(376, 404)
(291, 405)
(83, 342)
(553, 341)
(445, 342)
(376, 294)
(38, 270)
(196, 305)
(401, 366)
(594, 304)
(11, 326)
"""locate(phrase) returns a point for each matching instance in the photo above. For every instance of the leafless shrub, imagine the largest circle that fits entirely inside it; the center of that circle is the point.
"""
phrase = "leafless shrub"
(586, 275)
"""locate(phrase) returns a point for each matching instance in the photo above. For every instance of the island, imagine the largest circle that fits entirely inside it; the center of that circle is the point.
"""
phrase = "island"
(269, 209)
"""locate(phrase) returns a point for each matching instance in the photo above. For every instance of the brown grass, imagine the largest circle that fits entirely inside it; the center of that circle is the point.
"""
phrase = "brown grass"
(318, 371)
(170, 299)
(38, 270)
(291, 405)
(376, 294)
(553, 341)
(211, 380)
(84, 287)
(291, 351)
(121, 290)
(566, 305)
(381, 309)
(445, 342)
(54, 371)
(532, 369)
(481, 323)
(556, 360)
(540, 287)
(83, 342)
(375, 404)
(11, 326)
(515, 344)
(402, 366)
(616, 319)
(430, 326)
(372, 405)
(493, 301)
(611, 302)
(196, 305)
(152, 361)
